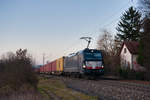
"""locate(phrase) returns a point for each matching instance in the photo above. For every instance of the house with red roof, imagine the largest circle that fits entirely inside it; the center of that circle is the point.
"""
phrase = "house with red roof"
(129, 54)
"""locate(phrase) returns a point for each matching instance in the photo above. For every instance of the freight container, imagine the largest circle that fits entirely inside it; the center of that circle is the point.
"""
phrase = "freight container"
(60, 65)
(54, 67)
(46, 68)
(41, 69)
(49, 68)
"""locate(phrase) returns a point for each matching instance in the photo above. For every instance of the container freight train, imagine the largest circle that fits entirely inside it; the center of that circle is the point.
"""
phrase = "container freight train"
(85, 62)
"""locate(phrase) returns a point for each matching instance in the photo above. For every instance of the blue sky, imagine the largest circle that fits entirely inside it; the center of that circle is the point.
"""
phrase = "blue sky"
(54, 27)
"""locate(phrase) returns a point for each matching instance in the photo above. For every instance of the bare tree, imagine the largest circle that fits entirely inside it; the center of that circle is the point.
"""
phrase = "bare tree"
(106, 42)
(144, 6)
(108, 46)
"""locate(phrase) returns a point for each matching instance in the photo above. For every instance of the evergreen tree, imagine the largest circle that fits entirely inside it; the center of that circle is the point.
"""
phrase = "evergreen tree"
(129, 26)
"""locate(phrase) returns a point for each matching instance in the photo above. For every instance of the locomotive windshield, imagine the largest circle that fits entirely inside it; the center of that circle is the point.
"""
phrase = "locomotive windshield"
(93, 56)
(93, 63)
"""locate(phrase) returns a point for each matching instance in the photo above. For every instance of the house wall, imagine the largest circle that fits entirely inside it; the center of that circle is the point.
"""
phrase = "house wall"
(126, 58)
(134, 58)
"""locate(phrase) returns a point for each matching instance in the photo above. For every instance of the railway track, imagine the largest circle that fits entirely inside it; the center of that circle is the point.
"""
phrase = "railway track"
(135, 86)
(109, 89)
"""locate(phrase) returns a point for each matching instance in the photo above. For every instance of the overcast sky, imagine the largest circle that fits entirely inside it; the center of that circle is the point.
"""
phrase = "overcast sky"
(54, 27)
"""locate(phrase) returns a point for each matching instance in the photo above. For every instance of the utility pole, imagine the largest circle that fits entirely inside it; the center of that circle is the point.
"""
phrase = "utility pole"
(43, 58)
(88, 39)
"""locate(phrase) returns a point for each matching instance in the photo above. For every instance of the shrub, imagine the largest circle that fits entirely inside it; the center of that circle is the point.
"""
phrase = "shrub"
(140, 75)
(124, 73)
(16, 71)
(131, 74)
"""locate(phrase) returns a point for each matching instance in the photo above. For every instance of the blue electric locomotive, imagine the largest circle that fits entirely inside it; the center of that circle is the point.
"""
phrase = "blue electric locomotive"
(87, 62)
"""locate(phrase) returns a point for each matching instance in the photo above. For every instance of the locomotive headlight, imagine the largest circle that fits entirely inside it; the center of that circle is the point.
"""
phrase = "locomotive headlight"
(84, 66)
(102, 66)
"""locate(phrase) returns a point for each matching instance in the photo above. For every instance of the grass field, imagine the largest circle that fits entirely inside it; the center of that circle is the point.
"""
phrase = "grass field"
(55, 89)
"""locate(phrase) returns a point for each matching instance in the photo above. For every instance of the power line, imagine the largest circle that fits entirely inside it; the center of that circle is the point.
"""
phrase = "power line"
(71, 46)
(44, 58)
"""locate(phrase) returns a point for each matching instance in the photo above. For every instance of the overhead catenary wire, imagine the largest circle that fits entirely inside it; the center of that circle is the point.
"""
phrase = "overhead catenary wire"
(71, 47)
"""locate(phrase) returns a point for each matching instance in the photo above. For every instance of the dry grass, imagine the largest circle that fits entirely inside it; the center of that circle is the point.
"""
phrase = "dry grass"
(26, 92)
(22, 96)
(48, 89)
(58, 88)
